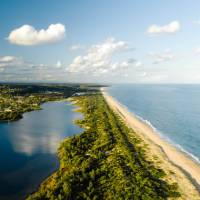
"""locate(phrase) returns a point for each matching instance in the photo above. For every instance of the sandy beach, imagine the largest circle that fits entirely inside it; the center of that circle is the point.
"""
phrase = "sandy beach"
(178, 166)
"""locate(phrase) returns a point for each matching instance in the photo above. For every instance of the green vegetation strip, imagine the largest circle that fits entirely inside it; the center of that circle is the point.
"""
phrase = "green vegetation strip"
(106, 161)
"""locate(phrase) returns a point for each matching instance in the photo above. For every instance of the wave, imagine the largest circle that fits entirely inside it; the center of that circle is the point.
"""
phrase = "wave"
(161, 134)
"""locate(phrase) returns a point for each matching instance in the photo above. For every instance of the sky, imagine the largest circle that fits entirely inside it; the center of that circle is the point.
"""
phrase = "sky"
(106, 41)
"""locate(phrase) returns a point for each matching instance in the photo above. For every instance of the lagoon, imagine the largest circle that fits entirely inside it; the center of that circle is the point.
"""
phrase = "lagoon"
(28, 147)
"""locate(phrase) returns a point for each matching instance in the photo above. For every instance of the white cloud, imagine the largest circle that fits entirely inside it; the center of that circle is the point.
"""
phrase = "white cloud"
(28, 35)
(197, 50)
(76, 47)
(172, 27)
(58, 64)
(98, 59)
(165, 56)
(6, 61)
(18, 69)
(138, 64)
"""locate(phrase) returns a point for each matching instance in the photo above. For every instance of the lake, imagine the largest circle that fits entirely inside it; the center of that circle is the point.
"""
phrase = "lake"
(28, 147)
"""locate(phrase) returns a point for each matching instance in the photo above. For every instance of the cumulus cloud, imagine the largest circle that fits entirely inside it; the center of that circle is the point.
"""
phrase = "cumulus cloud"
(165, 56)
(98, 58)
(27, 35)
(170, 28)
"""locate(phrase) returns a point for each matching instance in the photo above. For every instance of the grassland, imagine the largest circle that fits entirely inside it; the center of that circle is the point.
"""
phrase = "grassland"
(106, 161)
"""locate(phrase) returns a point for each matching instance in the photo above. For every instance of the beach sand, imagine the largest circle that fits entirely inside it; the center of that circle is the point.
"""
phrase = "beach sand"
(178, 166)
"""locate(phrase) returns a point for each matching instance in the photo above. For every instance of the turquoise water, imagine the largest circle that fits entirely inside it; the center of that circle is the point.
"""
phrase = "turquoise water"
(28, 147)
(173, 110)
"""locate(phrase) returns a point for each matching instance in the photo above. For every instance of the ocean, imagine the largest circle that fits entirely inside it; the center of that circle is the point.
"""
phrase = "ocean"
(172, 110)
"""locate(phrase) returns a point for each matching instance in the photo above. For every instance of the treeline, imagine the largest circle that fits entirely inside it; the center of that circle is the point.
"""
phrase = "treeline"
(16, 99)
(106, 161)
(32, 89)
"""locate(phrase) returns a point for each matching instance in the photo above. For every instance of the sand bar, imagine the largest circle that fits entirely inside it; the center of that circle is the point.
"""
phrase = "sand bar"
(179, 167)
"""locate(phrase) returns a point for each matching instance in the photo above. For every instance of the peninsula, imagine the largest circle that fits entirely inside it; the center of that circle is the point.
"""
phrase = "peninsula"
(108, 160)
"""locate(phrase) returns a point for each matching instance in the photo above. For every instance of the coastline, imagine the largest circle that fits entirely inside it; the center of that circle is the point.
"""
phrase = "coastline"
(118, 154)
(178, 166)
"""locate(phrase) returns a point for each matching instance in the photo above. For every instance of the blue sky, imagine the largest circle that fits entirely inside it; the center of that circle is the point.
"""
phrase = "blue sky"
(100, 41)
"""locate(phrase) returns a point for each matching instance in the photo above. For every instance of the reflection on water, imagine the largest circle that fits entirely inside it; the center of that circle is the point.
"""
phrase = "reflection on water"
(29, 144)
(28, 147)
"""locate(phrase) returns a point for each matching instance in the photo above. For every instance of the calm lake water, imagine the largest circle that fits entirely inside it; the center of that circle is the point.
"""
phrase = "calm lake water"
(28, 147)
(173, 110)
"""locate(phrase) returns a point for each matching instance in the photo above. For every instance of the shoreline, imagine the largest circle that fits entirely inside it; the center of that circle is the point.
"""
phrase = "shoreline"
(180, 167)
(160, 134)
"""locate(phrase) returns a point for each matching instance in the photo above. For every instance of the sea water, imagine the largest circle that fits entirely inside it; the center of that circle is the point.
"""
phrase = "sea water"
(172, 110)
